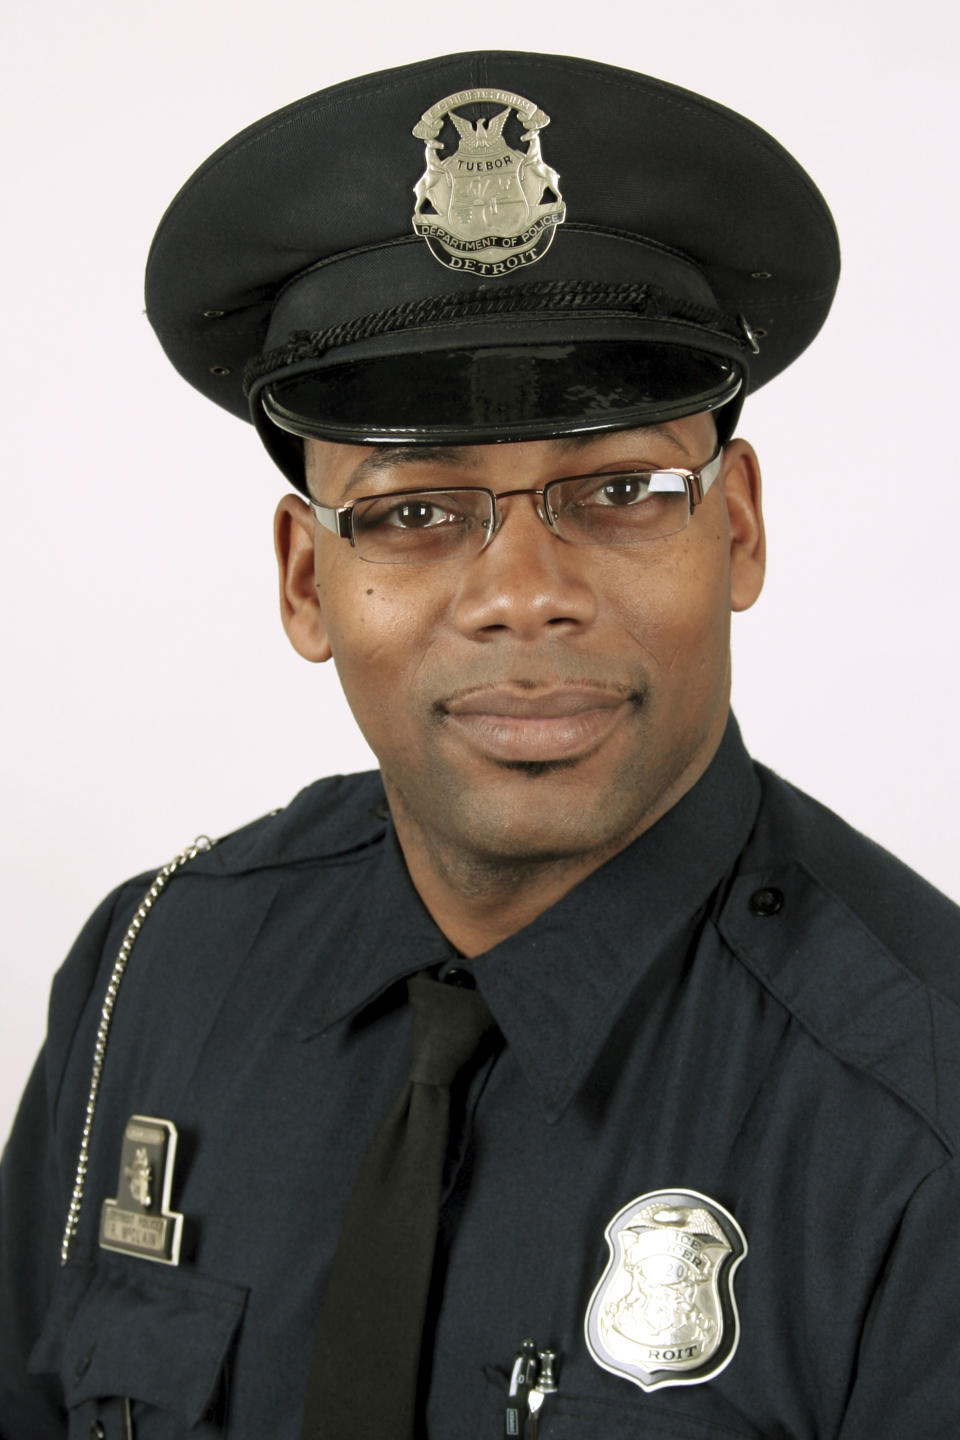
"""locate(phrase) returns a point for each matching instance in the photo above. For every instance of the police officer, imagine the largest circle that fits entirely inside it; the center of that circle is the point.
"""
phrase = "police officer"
(572, 1075)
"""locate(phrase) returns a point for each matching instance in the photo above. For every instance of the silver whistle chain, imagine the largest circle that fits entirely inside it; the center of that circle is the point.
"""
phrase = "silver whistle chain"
(199, 846)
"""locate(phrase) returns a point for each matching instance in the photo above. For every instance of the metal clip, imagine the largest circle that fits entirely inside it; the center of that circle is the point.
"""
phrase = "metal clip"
(546, 1380)
(546, 1385)
(748, 333)
(531, 1380)
(522, 1377)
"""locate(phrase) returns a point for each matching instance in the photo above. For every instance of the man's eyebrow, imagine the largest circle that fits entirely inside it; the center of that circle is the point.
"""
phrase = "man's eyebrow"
(395, 457)
(658, 428)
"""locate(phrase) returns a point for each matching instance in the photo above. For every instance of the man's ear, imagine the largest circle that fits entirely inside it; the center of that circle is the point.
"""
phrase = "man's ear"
(299, 603)
(748, 546)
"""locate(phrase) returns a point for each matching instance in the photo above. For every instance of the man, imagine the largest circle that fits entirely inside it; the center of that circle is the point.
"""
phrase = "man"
(676, 1151)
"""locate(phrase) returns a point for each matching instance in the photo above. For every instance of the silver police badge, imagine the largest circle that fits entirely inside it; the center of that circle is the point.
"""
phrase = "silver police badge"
(663, 1312)
(487, 208)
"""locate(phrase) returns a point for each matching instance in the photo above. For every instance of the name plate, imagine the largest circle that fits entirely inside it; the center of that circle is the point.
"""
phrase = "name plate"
(139, 1220)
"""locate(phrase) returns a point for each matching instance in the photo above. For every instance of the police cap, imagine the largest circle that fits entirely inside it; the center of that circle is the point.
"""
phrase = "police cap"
(486, 247)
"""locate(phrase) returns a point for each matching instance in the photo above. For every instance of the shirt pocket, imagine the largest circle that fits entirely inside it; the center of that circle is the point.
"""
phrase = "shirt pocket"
(576, 1418)
(142, 1354)
(569, 1415)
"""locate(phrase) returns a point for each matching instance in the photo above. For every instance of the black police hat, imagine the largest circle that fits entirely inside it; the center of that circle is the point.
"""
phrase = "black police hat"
(490, 246)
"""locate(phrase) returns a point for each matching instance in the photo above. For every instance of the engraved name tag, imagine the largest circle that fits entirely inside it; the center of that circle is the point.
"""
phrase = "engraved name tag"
(139, 1220)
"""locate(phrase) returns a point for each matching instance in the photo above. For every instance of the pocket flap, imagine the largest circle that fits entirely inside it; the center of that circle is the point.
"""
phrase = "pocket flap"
(160, 1338)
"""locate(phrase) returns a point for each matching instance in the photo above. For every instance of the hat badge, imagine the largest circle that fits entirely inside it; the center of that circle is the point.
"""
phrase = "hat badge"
(488, 208)
(663, 1312)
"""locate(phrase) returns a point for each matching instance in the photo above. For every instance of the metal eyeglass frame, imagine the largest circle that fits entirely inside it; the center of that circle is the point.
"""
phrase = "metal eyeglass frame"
(338, 519)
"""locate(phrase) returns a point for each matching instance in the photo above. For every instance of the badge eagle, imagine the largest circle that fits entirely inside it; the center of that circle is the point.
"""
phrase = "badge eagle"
(139, 1174)
(488, 208)
(664, 1311)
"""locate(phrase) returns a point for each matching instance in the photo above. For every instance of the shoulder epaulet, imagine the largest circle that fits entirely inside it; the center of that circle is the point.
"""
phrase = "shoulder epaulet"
(816, 912)
(331, 817)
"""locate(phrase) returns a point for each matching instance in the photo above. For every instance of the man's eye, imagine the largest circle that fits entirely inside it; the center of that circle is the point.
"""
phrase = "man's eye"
(619, 490)
(412, 513)
(416, 515)
(606, 492)
(634, 489)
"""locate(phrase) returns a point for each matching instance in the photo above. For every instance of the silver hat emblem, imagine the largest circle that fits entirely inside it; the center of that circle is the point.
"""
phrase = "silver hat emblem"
(664, 1312)
(487, 208)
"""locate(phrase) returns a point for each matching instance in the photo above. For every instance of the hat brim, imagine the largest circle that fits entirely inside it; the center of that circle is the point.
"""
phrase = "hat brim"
(499, 392)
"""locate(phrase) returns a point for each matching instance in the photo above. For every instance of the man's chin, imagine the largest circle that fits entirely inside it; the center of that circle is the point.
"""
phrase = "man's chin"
(536, 826)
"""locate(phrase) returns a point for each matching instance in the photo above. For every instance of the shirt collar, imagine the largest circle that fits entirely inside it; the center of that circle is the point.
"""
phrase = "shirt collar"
(557, 987)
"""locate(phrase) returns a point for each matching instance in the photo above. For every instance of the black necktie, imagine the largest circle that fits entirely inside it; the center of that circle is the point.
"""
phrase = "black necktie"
(363, 1377)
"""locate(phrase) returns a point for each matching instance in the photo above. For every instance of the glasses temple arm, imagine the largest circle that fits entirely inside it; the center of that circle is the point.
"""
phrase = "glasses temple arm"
(335, 518)
(702, 479)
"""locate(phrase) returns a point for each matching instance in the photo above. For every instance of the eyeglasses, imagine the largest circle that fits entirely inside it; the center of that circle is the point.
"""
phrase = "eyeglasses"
(419, 527)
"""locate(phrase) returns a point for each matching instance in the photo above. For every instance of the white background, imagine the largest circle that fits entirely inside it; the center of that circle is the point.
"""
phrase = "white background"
(149, 692)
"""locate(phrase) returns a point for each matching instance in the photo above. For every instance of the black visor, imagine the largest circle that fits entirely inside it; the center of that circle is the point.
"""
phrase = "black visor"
(500, 393)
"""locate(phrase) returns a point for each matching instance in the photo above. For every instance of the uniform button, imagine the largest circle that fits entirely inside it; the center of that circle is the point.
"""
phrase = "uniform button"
(767, 901)
(461, 978)
(97, 1431)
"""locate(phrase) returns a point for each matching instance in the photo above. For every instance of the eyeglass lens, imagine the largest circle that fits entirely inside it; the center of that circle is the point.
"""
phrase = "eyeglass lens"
(417, 527)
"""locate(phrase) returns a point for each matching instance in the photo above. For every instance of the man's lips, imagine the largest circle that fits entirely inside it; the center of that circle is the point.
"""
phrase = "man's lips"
(518, 725)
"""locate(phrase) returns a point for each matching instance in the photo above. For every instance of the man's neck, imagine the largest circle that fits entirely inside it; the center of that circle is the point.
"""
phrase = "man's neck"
(478, 901)
(477, 905)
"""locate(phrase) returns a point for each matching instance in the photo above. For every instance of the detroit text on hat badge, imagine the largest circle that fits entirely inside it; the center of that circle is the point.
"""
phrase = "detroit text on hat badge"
(664, 1311)
(485, 208)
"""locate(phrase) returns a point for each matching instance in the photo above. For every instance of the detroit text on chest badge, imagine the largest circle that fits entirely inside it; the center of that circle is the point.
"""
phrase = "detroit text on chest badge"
(488, 208)
(664, 1311)
(139, 1221)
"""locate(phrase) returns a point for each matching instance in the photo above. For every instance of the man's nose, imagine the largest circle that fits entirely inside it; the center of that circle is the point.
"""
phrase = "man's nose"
(526, 580)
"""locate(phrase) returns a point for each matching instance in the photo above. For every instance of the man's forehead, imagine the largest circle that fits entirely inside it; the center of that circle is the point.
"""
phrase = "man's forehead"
(355, 466)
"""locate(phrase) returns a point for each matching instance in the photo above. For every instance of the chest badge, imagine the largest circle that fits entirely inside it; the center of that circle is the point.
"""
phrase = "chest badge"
(490, 207)
(139, 1221)
(664, 1311)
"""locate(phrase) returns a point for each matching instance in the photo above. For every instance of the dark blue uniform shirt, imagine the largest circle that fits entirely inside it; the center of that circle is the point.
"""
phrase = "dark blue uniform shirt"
(667, 1025)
